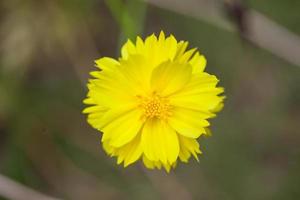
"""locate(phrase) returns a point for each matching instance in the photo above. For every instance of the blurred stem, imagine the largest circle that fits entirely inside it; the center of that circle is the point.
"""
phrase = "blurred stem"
(169, 187)
(130, 16)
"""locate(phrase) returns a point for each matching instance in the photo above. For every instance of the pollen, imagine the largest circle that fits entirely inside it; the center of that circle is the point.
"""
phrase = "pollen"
(155, 106)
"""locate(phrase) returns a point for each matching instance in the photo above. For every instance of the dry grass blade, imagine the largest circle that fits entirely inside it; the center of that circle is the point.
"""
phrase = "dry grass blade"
(262, 31)
(15, 191)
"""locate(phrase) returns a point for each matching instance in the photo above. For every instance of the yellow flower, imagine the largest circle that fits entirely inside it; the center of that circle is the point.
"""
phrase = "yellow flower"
(153, 102)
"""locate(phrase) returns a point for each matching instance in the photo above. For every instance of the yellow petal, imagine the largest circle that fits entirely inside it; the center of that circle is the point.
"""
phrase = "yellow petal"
(181, 47)
(155, 50)
(198, 63)
(149, 164)
(128, 153)
(189, 123)
(200, 83)
(110, 150)
(127, 49)
(188, 146)
(203, 102)
(160, 142)
(133, 151)
(161, 36)
(140, 46)
(169, 49)
(94, 114)
(170, 77)
(123, 129)
(115, 112)
(186, 56)
(157, 164)
(137, 72)
(200, 93)
(107, 63)
(109, 90)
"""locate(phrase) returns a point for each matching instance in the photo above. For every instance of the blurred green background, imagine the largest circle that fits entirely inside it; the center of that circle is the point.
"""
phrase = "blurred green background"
(47, 49)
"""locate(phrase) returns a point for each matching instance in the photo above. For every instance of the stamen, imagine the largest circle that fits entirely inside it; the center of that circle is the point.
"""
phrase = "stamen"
(155, 106)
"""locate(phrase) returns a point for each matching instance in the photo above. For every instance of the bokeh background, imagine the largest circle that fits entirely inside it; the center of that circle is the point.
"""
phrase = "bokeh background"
(47, 49)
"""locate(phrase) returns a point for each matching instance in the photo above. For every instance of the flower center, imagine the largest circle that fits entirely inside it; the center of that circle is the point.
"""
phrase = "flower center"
(155, 106)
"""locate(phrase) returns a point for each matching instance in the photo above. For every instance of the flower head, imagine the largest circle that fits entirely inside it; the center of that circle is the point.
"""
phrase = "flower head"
(153, 102)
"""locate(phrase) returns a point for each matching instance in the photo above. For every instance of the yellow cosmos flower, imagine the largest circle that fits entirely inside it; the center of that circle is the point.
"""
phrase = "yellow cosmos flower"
(153, 102)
